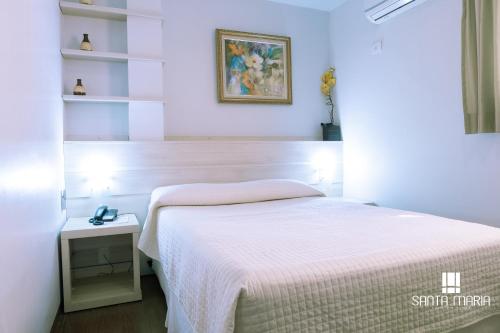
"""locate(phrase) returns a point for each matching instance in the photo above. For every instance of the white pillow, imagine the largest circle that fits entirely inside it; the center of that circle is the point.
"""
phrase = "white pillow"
(231, 193)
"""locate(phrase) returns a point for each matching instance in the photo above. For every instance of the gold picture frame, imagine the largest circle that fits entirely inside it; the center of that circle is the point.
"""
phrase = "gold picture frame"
(253, 68)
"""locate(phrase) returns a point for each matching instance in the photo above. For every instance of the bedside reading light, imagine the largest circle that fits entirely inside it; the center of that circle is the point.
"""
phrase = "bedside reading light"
(324, 165)
(98, 174)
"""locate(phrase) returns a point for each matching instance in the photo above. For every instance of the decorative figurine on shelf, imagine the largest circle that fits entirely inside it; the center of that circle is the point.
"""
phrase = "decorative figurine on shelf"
(87, 2)
(79, 89)
(86, 45)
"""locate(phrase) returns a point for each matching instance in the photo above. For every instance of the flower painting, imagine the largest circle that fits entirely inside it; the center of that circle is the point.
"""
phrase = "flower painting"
(253, 68)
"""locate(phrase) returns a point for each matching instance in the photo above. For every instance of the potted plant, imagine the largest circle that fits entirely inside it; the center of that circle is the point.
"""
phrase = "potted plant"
(331, 130)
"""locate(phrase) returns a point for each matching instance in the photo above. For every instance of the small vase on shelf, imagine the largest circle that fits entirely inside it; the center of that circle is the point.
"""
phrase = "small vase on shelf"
(79, 89)
(86, 45)
(87, 2)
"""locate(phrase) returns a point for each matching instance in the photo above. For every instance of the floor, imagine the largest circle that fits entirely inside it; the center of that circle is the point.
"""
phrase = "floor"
(147, 316)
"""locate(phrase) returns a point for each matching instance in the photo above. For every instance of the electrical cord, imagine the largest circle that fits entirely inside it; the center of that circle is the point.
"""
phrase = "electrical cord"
(94, 221)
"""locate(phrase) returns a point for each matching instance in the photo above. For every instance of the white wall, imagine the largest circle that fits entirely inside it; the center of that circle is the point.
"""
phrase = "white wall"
(402, 115)
(190, 75)
(30, 165)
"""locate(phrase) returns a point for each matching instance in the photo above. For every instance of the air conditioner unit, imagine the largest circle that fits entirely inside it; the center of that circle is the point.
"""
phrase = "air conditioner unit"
(378, 11)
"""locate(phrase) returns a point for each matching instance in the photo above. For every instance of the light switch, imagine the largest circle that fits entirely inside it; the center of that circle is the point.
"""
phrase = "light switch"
(377, 47)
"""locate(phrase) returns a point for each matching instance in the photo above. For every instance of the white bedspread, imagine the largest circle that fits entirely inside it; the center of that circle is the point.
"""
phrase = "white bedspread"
(318, 265)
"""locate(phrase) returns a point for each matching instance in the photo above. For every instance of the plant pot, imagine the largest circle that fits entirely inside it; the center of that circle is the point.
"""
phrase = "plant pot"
(331, 132)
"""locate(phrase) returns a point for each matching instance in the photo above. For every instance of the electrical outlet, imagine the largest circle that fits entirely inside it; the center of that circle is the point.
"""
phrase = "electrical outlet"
(63, 200)
(377, 47)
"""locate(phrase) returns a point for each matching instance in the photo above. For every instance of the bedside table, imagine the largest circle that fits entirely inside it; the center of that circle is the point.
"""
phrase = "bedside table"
(85, 292)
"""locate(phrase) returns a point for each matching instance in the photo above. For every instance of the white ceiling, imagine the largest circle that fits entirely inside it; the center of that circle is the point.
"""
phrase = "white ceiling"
(327, 5)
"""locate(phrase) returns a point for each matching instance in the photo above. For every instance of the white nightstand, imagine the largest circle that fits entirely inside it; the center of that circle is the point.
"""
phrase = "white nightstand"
(94, 291)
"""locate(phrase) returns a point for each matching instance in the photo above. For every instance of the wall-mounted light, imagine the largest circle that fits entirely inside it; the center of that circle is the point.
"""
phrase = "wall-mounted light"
(324, 165)
(98, 174)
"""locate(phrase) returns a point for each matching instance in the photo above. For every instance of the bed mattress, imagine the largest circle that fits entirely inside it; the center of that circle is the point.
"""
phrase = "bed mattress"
(319, 265)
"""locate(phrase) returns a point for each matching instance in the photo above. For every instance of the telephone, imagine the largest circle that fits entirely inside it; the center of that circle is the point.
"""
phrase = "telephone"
(103, 214)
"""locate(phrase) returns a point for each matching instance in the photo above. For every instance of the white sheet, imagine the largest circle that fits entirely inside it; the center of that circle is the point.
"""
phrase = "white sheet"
(176, 321)
(317, 265)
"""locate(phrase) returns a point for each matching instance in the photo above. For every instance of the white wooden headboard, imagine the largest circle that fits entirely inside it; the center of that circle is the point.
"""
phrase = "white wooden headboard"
(131, 170)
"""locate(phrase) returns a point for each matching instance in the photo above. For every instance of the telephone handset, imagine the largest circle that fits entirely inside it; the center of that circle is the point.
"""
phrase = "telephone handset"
(103, 214)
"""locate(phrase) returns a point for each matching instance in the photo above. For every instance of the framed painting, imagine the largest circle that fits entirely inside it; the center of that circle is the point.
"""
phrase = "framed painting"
(253, 68)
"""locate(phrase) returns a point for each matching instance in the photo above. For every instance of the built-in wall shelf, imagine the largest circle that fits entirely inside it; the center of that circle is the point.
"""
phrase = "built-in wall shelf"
(109, 13)
(106, 99)
(103, 56)
(124, 76)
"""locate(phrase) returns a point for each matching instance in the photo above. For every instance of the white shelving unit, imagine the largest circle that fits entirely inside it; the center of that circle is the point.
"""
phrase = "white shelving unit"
(103, 56)
(106, 99)
(107, 13)
(123, 73)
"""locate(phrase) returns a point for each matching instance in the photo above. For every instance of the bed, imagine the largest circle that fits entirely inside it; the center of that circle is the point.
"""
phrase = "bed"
(277, 256)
